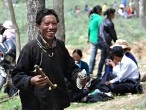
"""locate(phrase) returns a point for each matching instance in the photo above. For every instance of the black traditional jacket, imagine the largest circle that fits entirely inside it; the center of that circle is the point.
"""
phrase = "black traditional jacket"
(56, 63)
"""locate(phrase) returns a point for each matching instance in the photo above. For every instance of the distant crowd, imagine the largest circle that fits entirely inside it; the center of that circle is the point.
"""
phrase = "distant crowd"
(125, 10)
(118, 71)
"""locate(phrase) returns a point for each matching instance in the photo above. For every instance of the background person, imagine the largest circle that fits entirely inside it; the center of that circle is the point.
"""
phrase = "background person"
(126, 49)
(8, 47)
(95, 20)
(125, 71)
(77, 56)
(50, 54)
(86, 8)
(9, 32)
(104, 7)
(107, 34)
(121, 10)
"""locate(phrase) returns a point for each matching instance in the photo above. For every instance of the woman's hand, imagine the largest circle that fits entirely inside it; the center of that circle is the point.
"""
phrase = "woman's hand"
(107, 83)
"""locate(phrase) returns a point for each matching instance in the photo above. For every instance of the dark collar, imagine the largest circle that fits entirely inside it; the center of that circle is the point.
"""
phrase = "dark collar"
(43, 44)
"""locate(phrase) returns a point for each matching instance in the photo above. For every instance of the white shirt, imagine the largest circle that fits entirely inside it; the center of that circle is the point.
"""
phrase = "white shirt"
(120, 12)
(9, 33)
(127, 68)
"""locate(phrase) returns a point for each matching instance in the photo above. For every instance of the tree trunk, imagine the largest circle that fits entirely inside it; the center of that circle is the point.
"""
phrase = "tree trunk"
(32, 8)
(18, 45)
(136, 7)
(3, 3)
(143, 13)
(58, 6)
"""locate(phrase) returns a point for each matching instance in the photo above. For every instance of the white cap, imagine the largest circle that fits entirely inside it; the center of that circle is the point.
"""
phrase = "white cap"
(8, 24)
(122, 6)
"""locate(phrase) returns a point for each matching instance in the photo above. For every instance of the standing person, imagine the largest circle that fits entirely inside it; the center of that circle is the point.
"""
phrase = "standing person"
(104, 7)
(94, 23)
(124, 2)
(51, 55)
(107, 34)
(77, 56)
(86, 9)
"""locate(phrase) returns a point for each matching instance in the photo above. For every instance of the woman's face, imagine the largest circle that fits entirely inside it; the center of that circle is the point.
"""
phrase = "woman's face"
(112, 16)
(76, 57)
(100, 12)
(48, 27)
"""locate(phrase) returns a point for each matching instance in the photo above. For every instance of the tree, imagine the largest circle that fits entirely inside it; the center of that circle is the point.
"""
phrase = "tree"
(58, 6)
(143, 13)
(3, 2)
(18, 45)
(32, 8)
(136, 7)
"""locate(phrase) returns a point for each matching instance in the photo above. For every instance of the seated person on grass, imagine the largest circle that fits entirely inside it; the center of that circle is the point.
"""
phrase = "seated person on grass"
(127, 51)
(125, 73)
(77, 56)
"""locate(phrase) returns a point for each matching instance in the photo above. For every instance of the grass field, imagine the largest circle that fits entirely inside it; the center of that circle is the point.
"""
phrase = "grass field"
(76, 37)
(76, 26)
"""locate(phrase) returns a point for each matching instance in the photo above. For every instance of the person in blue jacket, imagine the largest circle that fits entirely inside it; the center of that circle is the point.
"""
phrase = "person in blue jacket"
(77, 56)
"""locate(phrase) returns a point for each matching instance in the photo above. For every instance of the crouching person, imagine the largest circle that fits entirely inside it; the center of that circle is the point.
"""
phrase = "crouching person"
(126, 75)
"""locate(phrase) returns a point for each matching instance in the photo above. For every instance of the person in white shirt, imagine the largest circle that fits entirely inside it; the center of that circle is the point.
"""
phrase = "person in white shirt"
(9, 32)
(125, 71)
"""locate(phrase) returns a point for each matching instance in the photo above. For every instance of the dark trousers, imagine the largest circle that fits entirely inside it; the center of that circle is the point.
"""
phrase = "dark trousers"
(127, 86)
(104, 54)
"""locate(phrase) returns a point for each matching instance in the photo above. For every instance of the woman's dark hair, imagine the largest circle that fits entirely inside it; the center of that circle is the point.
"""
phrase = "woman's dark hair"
(109, 11)
(2, 29)
(117, 51)
(42, 13)
(78, 51)
(97, 9)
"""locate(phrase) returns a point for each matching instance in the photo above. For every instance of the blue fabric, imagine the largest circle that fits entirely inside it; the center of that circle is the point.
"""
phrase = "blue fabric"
(92, 57)
(129, 55)
(109, 69)
(124, 2)
(83, 65)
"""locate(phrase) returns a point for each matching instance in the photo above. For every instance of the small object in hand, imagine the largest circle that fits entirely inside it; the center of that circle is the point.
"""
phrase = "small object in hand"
(81, 75)
(40, 72)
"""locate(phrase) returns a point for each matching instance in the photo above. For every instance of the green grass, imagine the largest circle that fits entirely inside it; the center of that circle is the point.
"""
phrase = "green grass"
(76, 33)
(12, 104)
(77, 27)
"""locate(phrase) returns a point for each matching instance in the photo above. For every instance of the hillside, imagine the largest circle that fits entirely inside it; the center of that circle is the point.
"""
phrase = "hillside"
(76, 37)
